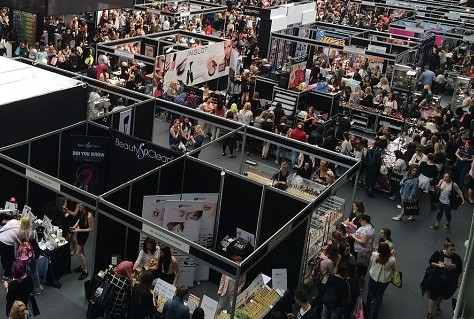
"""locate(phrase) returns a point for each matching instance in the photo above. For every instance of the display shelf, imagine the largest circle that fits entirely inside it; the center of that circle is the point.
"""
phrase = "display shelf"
(291, 101)
(304, 188)
(323, 221)
(258, 299)
(404, 78)
(259, 172)
(97, 108)
(461, 85)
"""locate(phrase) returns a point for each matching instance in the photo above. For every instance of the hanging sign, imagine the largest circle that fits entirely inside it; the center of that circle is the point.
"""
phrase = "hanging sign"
(333, 41)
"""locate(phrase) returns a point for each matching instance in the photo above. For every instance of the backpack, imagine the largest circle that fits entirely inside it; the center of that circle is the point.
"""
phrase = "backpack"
(102, 295)
(315, 268)
(25, 252)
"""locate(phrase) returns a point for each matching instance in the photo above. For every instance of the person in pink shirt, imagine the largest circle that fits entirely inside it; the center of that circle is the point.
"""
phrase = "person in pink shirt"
(298, 134)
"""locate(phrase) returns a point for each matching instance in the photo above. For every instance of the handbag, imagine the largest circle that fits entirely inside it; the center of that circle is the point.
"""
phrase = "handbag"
(358, 312)
(427, 280)
(454, 199)
(411, 208)
(397, 278)
(33, 306)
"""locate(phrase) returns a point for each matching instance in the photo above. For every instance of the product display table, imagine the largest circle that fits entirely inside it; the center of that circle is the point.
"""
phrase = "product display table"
(60, 264)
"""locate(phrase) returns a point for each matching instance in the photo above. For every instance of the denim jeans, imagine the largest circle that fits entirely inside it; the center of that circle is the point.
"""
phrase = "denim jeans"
(34, 274)
(446, 209)
(280, 154)
(331, 313)
(294, 158)
(376, 290)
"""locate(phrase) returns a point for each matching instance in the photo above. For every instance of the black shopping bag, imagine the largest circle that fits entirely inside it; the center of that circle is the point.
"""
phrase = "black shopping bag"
(411, 208)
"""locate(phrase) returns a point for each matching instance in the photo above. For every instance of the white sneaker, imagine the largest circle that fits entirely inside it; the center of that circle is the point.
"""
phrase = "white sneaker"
(39, 290)
(397, 218)
(411, 218)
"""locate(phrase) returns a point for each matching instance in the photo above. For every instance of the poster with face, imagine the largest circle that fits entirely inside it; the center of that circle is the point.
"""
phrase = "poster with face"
(184, 218)
(196, 65)
(153, 207)
(150, 50)
(206, 232)
(302, 47)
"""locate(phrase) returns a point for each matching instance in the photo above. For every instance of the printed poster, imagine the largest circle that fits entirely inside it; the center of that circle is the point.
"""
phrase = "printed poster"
(206, 232)
(184, 218)
(88, 155)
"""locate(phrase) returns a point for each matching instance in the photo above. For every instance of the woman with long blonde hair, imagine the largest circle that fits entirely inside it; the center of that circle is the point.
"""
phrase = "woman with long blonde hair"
(18, 310)
(27, 233)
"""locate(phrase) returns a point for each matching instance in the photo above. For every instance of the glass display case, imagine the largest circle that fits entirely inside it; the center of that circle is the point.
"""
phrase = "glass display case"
(304, 188)
(259, 172)
(256, 301)
(323, 223)
(404, 78)
(461, 85)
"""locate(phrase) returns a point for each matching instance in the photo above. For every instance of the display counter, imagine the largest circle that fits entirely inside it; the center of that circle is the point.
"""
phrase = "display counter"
(369, 119)
(294, 100)
(296, 185)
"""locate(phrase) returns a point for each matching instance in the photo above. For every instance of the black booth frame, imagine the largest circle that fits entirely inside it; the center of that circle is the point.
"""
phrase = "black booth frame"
(115, 207)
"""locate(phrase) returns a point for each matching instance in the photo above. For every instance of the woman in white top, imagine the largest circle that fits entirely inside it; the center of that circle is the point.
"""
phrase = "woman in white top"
(381, 265)
(390, 104)
(245, 116)
(346, 146)
(363, 244)
(446, 187)
(148, 257)
(418, 157)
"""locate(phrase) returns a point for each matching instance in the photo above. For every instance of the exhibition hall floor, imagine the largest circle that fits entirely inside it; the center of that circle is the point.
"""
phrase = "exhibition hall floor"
(414, 242)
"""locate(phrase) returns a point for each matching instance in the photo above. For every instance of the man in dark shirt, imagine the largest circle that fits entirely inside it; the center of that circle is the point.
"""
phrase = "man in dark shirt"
(175, 309)
(344, 125)
(305, 310)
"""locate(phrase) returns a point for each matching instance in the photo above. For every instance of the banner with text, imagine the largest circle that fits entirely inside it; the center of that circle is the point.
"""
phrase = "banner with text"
(127, 152)
(88, 155)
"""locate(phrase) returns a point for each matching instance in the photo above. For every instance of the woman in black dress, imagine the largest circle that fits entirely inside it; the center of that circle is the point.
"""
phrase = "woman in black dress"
(83, 226)
(71, 211)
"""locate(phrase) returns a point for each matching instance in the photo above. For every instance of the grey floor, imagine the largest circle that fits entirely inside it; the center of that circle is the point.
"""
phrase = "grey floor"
(414, 242)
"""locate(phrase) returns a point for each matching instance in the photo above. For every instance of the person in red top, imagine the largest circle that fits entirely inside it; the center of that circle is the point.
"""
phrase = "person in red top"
(297, 134)
(208, 29)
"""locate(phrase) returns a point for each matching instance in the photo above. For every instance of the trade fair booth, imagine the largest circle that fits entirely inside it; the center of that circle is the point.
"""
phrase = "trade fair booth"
(34, 102)
(346, 48)
(64, 170)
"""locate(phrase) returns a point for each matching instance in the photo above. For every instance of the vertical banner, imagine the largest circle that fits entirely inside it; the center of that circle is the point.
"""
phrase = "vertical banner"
(125, 122)
(88, 162)
(184, 219)
(206, 232)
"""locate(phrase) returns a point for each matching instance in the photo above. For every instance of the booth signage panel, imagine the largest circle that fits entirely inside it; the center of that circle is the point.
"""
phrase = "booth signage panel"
(165, 238)
(257, 12)
(88, 162)
(124, 54)
(333, 41)
(43, 179)
(353, 50)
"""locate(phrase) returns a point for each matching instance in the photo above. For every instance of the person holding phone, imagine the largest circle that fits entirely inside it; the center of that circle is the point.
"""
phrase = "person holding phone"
(305, 310)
